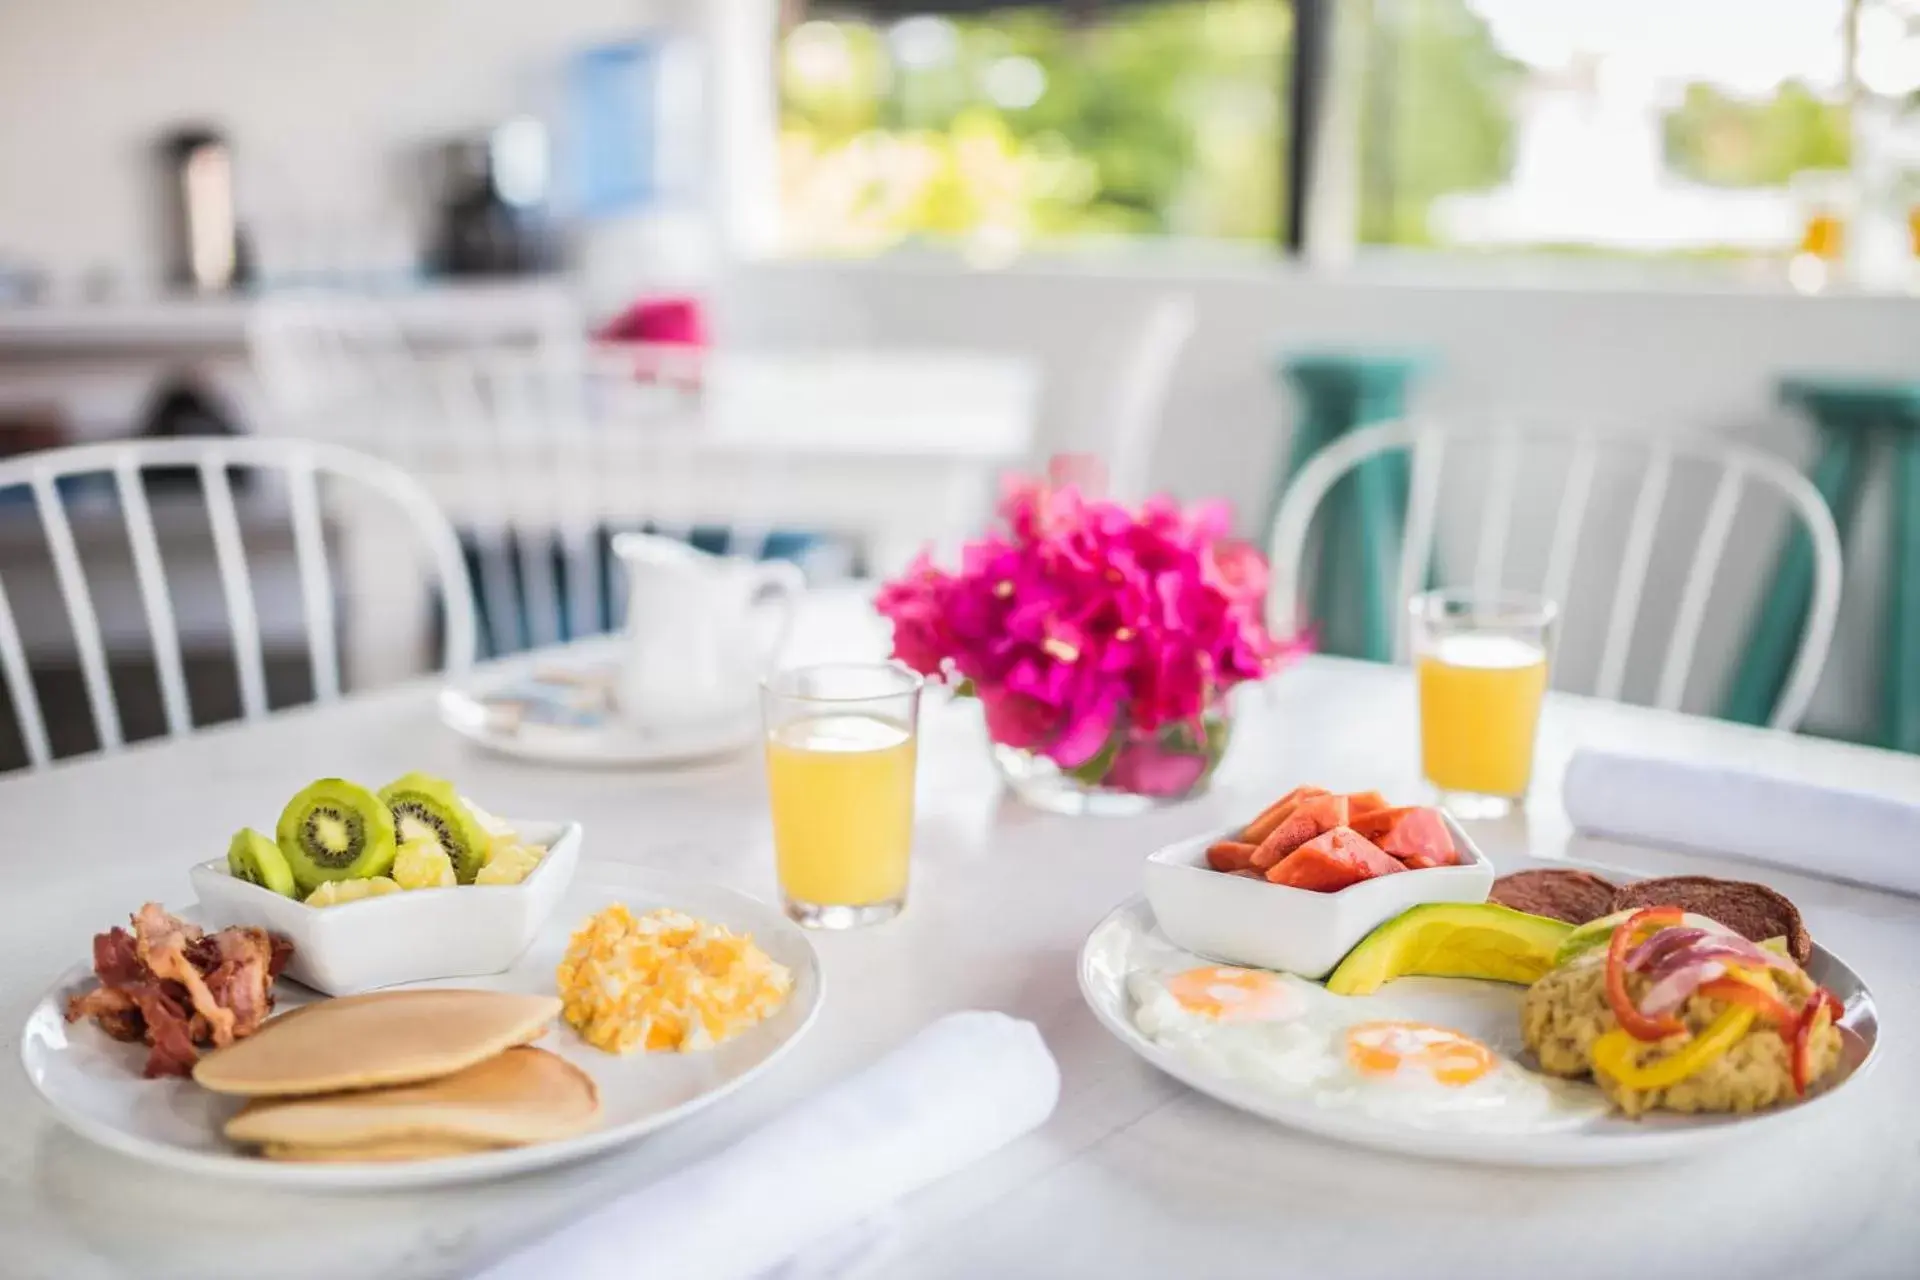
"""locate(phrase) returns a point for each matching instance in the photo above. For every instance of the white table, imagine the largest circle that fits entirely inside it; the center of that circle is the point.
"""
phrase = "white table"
(1134, 1176)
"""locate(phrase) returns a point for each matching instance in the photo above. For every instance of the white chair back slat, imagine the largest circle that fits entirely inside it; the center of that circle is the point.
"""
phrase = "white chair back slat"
(1564, 550)
(155, 599)
(80, 611)
(1635, 555)
(1416, 545)
(1496, 515)
(230, 557)
(303, 462)
(316, 583)
(1816, 637)
(1142, 385)
(1738, 469)
(20, 691)
(1700, 574)
(463, 425)
(520, 394)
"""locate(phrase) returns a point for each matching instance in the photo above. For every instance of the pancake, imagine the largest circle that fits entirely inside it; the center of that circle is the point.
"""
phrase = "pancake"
(1753, 911)
(512, 1099)
(385, 1038)
(389, 1152)
(1561, 893)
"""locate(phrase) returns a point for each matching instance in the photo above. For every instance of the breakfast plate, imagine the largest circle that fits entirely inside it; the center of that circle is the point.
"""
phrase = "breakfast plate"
(1127, 958)
(563, 713)
(94, 1084)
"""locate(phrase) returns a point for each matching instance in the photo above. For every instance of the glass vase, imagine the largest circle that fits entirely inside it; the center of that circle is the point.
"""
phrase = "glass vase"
(1138, 770)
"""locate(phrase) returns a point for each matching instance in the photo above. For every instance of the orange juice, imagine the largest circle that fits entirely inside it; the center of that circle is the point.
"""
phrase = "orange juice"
(1824, 237)
(842, 792)
(1479, 705)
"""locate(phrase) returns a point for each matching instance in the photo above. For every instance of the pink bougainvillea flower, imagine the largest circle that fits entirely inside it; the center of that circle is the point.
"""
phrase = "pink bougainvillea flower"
(1017, 720)
(1146, 768)
(1088, 726)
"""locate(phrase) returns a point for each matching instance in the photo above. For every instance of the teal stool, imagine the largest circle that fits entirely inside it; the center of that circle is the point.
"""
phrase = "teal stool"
(1364, 513)
(1855, 418)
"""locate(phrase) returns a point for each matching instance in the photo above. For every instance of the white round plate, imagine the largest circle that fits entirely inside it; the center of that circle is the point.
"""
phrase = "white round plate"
(607, 741)
(94, 1084)
(1488, 1011)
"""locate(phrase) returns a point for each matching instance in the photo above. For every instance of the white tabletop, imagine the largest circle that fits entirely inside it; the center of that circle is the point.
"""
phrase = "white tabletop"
(1134, 1176)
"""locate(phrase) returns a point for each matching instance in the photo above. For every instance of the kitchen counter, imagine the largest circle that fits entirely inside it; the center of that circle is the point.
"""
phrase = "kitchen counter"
(38, 331)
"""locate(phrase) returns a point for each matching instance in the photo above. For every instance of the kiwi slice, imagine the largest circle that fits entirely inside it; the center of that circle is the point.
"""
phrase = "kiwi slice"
(336, 830)
(257, 860)
(426, 807)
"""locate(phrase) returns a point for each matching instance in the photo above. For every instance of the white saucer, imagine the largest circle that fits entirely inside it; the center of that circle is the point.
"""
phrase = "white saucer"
(93, 1083)
(600, 738)
(1488, 1011)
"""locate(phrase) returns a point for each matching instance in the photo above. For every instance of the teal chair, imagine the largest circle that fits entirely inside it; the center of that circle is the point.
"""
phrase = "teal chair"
(1857, 419)
(1337, 394)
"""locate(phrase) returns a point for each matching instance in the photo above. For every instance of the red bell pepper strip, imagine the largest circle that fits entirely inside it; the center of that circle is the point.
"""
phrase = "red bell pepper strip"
(1632, 1021)
(1803, 1036)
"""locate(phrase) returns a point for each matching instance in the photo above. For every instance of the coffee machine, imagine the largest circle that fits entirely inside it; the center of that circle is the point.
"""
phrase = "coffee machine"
(491, 211)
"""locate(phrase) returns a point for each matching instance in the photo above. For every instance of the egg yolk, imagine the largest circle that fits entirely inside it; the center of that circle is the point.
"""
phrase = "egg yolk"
(1231, 995)
(1383, 1048)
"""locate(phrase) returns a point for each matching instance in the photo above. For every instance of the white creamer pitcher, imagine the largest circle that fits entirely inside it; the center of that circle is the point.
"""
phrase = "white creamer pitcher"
(701, 632)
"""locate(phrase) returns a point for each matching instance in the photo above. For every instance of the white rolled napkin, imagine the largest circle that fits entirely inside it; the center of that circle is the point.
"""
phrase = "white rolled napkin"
(960, 1089)
(1805, 827)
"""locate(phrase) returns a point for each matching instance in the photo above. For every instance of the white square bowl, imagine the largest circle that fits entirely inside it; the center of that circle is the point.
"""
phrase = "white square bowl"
(1248, 922)
(413, 936)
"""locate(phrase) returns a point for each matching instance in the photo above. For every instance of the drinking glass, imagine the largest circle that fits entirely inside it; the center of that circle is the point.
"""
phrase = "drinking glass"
(841, 740)
(1481, 659)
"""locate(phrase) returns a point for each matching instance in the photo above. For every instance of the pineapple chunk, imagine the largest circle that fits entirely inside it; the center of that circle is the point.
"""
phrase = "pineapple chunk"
(508, 864)
(423, 864)
(335, 892)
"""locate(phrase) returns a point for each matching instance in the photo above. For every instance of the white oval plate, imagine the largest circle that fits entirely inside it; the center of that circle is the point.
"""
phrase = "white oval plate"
(94, 1084)
(605, 741)
(1490, 1012)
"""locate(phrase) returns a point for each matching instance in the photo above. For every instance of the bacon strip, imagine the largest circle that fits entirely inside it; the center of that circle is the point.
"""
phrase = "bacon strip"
(177, 987)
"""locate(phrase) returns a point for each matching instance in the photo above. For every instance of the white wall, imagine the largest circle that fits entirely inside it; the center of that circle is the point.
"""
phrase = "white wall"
(328, 103)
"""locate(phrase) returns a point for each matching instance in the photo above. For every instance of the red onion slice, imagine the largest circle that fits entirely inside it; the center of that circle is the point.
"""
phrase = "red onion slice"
(1670, 992)
(1662, 945)
(1723, 947)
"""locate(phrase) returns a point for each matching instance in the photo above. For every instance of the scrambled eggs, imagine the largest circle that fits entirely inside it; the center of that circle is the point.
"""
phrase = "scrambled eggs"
(665, 980)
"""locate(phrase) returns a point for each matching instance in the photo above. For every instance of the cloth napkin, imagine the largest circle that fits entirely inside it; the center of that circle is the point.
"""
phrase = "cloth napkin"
(813, 1184)
(1816, 830)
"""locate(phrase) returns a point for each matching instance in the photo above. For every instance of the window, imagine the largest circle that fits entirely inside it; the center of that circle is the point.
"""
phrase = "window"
(1637, 127)
(1033, 125)
(1712, 130)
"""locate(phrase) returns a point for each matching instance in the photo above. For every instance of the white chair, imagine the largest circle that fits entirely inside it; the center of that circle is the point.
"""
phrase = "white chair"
(1129, 387)
(297, 465)
(1497, 486)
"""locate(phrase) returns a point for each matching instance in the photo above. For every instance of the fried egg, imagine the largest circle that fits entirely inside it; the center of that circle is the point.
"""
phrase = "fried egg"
(1291, 1037)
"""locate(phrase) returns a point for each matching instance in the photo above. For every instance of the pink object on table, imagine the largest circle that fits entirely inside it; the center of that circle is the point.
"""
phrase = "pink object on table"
(665, 322)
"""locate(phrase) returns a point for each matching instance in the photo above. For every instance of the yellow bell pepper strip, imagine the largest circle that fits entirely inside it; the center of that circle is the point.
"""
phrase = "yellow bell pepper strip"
(1738, 989)
(1614, 1052)
(1632, 1021)
(1803, 1036)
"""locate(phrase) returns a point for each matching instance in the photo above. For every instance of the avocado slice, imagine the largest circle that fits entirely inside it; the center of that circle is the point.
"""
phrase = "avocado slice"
(1451, 940)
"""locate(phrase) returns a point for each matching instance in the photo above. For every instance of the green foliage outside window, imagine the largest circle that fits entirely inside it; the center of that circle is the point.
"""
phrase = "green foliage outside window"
(1732, 142)
(1026, 127)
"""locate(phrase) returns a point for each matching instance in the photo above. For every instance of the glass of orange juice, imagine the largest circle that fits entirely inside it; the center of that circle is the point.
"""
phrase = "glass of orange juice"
(1481, 662)
(841, 741)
